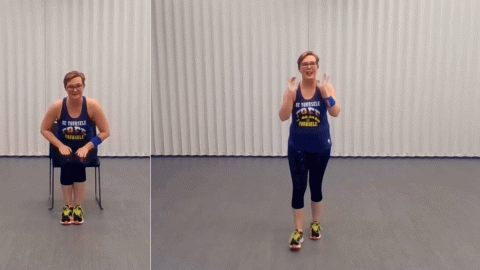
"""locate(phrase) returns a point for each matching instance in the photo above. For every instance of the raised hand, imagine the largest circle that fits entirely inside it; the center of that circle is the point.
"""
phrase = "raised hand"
(292, 86)
(322, 84)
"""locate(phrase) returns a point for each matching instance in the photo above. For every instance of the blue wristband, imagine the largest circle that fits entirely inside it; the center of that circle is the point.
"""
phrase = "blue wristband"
(96, 141)
(330, 101)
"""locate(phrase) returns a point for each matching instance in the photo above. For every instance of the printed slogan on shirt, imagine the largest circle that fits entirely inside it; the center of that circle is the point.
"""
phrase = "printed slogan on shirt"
(307, 115)
(74, 130)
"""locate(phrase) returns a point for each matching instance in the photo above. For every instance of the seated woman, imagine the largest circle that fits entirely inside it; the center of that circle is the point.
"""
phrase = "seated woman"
(77, 117)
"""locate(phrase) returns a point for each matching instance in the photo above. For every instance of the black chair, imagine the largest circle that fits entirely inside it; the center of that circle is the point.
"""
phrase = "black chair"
(55, 162)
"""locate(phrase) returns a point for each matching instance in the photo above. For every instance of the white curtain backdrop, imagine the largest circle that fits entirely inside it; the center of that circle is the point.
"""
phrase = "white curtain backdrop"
(406, 74)
(22, 77)
(109, 41)
(219, 70)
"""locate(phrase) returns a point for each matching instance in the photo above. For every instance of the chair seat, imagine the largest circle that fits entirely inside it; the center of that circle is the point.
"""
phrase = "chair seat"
(56, 163)
(58, 160)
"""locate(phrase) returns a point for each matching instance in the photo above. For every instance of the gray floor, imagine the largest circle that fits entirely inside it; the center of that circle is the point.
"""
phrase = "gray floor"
(116, 238)
(234, 213)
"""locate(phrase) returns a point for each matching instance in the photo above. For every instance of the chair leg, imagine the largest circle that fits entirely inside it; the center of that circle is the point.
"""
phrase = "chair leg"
(96, 184)
(50, 181)
(99, 198)
(51, 184)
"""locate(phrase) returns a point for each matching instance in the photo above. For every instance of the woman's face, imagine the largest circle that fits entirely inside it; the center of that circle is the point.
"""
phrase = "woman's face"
(309, 68)
(75, 88)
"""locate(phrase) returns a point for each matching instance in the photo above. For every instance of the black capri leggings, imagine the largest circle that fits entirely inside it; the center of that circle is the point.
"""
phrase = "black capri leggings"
(72, 173)
(301, 163)
(73, 169)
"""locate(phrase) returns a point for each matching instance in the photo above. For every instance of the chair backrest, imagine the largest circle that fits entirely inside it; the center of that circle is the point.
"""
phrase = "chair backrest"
(53, 151)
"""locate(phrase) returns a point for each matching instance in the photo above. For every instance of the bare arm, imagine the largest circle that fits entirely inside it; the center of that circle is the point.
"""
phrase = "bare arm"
(334, 110)
(101, 121)
(327, 90)
(53, 114)
(288, 99)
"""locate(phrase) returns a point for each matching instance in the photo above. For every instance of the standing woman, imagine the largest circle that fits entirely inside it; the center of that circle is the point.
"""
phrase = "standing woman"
(309, 143)
(77, 117)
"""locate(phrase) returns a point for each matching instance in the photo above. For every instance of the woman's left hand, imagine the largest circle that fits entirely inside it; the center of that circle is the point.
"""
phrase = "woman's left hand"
(322, 85)
(83, 152)
(327, 90)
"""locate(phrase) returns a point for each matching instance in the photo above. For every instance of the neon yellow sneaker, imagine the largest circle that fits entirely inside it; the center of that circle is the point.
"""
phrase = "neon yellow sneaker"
(78, 215)
(315, 230)
(296, 240)
(66, 217)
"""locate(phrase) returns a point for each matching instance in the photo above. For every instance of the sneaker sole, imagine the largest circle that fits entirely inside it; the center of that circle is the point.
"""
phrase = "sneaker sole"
(296, 247)
(78, 222)
(67, 222)
(315, 238)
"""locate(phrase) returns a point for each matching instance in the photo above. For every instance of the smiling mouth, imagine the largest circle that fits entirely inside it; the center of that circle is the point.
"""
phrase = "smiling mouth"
(309, 73)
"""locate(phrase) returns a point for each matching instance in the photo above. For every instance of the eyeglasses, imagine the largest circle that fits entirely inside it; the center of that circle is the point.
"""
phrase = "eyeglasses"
(73, 87)
(307, 64)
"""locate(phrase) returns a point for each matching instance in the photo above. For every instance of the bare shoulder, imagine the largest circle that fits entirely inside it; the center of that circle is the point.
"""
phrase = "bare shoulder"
(93, 107)
(57, 104)
(93, 104)
(56, 108)
(91, 101)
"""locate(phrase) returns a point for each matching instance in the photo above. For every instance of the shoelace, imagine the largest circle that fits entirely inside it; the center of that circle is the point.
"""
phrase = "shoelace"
(78, 211)
(317, 227)
(66, 210)
(297, 236)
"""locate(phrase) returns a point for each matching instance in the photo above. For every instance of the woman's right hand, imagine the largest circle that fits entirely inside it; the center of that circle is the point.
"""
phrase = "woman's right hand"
(292, 87)
(65, 150)
(288, 99)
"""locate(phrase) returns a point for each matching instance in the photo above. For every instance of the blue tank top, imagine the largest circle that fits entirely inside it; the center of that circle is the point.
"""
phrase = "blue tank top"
(75, 132)
(309, 130)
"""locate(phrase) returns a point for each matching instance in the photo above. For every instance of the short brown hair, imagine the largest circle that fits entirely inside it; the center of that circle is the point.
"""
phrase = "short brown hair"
(305, 54)
(73, 74)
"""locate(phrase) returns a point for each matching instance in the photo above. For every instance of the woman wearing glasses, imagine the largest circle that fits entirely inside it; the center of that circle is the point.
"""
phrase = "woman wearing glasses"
(77, 117)
(309, 143)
